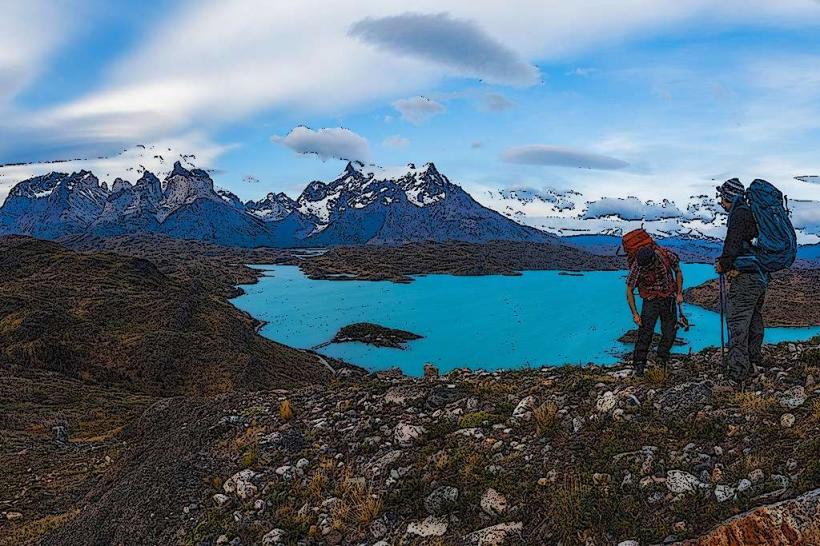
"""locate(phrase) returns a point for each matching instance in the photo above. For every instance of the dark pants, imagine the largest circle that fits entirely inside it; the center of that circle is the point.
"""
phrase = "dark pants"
(667, 310)
(744, 319)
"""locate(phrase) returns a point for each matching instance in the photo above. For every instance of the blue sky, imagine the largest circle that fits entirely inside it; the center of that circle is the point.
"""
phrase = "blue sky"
(654, 99)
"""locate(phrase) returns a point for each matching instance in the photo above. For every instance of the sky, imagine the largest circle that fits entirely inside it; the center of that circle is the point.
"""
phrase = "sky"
(648, 98)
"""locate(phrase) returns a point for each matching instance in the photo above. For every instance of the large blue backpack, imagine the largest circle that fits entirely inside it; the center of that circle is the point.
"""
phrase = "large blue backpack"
(776, 246)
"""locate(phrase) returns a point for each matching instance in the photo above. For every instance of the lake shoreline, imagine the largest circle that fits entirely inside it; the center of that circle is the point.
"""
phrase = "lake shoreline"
(488, 322)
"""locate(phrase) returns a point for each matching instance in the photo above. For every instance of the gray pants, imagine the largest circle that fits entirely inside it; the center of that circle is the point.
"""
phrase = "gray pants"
(744, 319)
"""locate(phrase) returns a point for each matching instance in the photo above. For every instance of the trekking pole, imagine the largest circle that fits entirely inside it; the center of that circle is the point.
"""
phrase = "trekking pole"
(722, 290)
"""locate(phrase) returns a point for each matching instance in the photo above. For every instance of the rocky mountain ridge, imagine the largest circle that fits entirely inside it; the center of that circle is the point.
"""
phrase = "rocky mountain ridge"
(363, 205)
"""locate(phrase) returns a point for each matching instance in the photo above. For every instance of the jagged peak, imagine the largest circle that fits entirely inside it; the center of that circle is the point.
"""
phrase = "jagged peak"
(120, 185)
(148, 176)
(179, 170)
(353, 167)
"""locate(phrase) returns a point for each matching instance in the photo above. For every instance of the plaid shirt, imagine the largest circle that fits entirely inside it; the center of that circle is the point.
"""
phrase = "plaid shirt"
(655, 280)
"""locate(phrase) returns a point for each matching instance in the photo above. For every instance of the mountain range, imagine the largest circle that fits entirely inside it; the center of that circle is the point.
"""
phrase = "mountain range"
(363, 205)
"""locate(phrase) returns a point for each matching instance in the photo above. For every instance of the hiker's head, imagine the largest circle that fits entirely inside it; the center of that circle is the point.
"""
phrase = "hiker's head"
(645, 256)
(728, 191)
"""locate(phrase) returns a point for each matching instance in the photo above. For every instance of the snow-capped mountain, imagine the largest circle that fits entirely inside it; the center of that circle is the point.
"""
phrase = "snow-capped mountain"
(568, 213)
(363, 205)
(54, 205)
(274, 207)
(367, 204)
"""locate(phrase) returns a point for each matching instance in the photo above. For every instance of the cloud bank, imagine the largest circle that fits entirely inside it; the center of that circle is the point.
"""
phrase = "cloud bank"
(460, 45)
(541, 154)
(329, 143)
(632, 208)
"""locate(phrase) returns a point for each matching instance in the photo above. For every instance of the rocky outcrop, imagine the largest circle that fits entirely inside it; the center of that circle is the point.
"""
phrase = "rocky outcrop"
(374, 334)
(789, 523)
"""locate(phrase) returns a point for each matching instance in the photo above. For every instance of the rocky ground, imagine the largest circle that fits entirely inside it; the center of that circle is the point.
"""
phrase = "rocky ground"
(575, 455)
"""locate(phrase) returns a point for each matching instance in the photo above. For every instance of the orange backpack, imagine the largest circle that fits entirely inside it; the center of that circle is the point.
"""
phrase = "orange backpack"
(635, 240)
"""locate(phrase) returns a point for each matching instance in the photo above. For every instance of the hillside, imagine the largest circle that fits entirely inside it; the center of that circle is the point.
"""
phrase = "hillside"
(580, 455)
(115, 319)
(791, 299)
(400, 263)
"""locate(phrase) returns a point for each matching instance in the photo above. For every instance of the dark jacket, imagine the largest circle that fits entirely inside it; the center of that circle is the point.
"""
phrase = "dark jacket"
(740, 230)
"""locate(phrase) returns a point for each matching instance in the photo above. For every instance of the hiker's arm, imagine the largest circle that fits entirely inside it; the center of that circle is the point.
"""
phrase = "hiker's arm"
(679, 281)
(630, 299)
(733, 244)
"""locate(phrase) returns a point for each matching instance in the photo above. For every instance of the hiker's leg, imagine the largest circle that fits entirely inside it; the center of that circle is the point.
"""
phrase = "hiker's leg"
(669, 327)
(743, 296)
(756, 330)
(649, 315)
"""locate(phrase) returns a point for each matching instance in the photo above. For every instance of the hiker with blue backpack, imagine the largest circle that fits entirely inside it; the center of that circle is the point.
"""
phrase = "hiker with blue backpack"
(760, 240)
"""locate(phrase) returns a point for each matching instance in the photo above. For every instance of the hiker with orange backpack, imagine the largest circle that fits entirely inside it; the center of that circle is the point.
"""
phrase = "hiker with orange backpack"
(656, 272)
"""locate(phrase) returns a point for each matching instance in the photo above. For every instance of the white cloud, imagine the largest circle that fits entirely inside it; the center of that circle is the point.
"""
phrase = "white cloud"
(396, 141)
(582, 72)
(631, 208)
(806, 215)
(418, 110)
(329, 143)
(542, 154)
(494, 102)
(30, 30)
(458, 44)
(212, 62)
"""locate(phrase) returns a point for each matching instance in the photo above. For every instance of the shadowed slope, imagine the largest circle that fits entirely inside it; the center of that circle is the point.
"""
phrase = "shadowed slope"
(111, 318)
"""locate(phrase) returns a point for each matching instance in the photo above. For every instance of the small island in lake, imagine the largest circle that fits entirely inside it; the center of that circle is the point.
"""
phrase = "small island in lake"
(374, 334)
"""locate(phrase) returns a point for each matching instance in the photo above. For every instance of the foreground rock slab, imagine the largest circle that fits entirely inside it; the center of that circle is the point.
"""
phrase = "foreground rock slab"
(788, 523)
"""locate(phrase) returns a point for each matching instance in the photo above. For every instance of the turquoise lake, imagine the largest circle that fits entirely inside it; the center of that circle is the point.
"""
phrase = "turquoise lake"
(489, 322)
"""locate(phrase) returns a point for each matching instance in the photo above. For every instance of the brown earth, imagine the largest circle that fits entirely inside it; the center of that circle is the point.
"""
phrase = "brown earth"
(584, 455)
(57, 435)
(792, 299)
(400, 263)
(120, 320)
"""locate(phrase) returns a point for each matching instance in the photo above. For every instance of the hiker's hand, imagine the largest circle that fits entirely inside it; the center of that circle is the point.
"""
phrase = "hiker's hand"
(637, 318)
(718, 267)
(679, 299)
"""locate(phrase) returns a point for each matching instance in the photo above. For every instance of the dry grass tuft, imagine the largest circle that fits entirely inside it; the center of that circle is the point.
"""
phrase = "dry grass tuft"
(285, 411)
(317, 483)
(750, 402)
(656, 375)
(29, 532)
(546, 417)
(358, 504)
